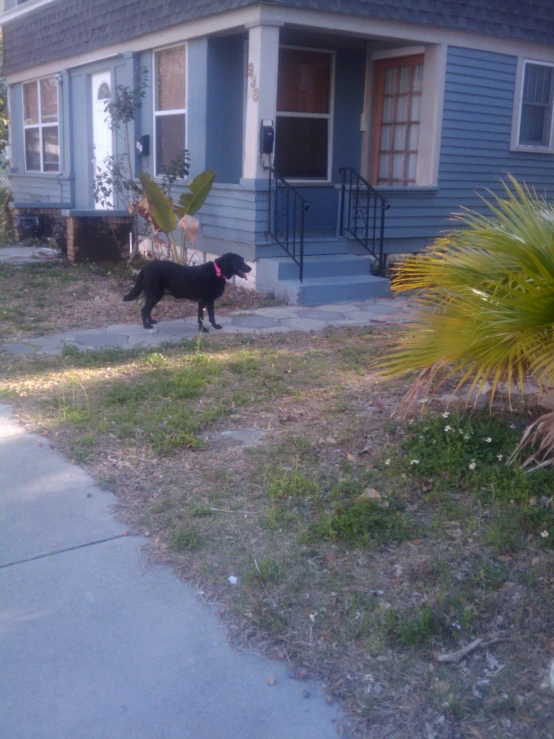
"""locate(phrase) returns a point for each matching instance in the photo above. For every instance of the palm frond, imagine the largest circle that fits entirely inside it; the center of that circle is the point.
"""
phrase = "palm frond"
(484, 297)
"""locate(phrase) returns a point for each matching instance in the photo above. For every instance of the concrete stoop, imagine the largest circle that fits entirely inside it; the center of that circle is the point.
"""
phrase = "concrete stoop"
(335, 278)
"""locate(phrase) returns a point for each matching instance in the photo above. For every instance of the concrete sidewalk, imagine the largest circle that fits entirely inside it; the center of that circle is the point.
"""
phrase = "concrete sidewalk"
(263, 320)
(94, 645)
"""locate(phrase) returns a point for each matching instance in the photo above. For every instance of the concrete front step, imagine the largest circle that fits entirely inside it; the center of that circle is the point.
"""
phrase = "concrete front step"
(319, 290)
(331, 245)
(327, 279)
(341, 265)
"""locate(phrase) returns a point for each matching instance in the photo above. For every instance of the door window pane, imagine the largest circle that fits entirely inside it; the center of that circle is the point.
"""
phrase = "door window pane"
(30, 103)
(304, 81)
(302, 147)
(170, 139)
(32, 149)
(399, 85)
(170, 79)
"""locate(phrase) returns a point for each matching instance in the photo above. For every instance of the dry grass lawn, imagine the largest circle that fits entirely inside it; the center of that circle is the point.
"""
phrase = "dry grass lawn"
(365, 548)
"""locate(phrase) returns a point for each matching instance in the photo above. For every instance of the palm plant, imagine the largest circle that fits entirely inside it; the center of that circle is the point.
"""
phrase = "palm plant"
(484, 297)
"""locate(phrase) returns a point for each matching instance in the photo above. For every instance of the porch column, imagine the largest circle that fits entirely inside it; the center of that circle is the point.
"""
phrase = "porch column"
(261, 93)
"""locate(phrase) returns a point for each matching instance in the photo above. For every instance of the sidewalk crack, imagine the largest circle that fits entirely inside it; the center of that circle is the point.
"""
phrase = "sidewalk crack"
(61, 551)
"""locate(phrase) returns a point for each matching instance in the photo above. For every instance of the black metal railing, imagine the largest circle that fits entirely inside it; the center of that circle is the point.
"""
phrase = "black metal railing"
(286, 209)
(362, 214)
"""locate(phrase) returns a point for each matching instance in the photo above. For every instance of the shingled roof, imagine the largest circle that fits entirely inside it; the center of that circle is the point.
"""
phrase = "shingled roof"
(66, 28)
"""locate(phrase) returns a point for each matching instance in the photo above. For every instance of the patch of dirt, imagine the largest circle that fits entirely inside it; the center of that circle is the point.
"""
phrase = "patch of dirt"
(49, 298)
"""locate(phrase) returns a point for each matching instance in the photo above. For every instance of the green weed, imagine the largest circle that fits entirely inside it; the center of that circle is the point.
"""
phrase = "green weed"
(364, 523)
(185, 539)
(267, 570)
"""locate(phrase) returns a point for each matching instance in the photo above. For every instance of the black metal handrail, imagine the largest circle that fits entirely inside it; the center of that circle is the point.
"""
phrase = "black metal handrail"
(364, 212)
(286, 209)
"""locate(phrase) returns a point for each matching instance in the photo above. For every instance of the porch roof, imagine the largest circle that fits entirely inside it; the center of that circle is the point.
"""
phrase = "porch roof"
(65, 28)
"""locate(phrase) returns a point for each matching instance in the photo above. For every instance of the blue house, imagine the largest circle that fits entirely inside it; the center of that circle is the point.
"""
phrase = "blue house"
(342, 132)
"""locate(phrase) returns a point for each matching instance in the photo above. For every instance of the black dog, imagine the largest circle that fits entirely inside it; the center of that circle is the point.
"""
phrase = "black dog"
(203, 283)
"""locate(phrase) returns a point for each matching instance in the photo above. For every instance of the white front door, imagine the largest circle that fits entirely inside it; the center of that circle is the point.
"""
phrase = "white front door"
(101, 132)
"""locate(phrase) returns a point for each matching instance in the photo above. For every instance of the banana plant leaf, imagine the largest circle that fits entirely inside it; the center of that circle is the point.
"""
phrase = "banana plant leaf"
(156, 206)
(190, 203)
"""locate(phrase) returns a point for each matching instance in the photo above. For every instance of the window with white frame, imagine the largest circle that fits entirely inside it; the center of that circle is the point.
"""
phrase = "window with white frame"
(304, 119)
(40, 123)
(535, 115)
(170, 106)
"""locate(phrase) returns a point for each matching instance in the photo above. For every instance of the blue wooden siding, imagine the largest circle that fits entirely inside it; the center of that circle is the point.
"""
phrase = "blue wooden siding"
(224, 122)
(475, 150)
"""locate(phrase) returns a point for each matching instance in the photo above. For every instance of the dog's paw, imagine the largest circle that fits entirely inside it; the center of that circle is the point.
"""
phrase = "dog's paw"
(205, 330)
(216, 325)
(153, 321)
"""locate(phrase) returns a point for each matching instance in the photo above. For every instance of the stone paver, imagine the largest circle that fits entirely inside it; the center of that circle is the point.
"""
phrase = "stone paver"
(279, 319)
(19, 348)
(103, 339)
(254, 322)
(322, 315)
(304, 324)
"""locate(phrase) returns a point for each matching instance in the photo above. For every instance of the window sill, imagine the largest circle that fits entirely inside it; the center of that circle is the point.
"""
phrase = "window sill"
(412, 191)
(532, 149)
(47, 175)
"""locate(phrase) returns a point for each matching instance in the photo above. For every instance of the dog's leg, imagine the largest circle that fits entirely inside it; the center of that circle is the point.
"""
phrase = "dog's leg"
(211, 314)
(201, 326)
(146, 311)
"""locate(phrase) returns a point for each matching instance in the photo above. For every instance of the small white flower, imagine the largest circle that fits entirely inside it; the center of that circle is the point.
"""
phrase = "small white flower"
(512, 425)
(500, 457)
(446, 414)
(544, 534)
(387, 461)
(472, 466)
(414, 461)
(488, 439)
(466, 436)
(448, 428)
(434, 441)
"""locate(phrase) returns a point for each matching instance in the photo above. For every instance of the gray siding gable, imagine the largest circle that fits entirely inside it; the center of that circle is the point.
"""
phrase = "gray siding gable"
(70, 27)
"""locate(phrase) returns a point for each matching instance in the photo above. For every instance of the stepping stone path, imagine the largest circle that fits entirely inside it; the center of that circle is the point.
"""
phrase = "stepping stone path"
(264, 320)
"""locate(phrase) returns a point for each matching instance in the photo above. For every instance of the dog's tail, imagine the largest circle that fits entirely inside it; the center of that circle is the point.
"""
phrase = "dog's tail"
(136, 290)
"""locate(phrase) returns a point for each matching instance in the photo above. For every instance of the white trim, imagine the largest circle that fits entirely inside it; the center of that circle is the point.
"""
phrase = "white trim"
(518, 106)
(431, 116)
(20, 10)
(40, 126)
(286, 114)
(174, 111)
(396, 53)
(327, 116)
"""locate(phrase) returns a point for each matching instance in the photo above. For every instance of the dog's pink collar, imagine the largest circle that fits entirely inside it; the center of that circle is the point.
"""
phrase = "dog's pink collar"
(218, 272)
